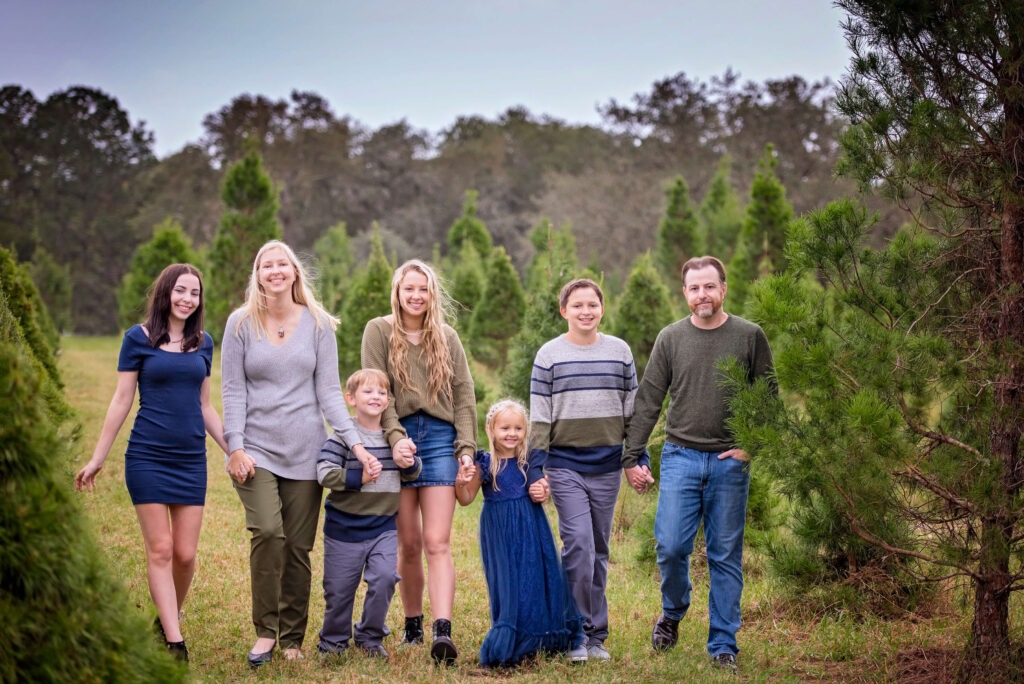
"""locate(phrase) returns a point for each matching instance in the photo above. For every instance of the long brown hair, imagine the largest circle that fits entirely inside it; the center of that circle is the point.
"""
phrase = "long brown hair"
(432, 335)
(158, 309)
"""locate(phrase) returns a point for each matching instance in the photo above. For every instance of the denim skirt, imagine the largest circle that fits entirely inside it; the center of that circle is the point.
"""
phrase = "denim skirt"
(435, 445)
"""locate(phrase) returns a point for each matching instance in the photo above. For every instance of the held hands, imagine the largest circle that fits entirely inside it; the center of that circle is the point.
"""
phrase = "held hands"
(404, 448)
(402, 460)
(240, 466)
(371, 466)
(467, 470)
(639, 478)
(86, 477)
(539, 490)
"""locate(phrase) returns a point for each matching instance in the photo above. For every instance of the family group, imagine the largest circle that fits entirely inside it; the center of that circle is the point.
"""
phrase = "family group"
(396, 469)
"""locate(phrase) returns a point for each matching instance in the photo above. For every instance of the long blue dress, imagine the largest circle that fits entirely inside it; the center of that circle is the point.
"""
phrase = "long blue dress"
(166, 457)
(532, 610)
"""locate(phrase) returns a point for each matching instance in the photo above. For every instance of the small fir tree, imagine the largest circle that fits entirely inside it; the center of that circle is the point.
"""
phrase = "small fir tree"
(468, 229)
(466, 275)
(369, 296)
(336, 259)
(28, 310)
(679, 232)
(250, 220)
(53, 280)
(643, 309)
(498, 315)
(169, 245)
(720, 214)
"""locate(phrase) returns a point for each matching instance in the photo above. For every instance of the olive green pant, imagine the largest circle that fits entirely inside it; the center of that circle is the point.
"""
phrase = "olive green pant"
(282, 516)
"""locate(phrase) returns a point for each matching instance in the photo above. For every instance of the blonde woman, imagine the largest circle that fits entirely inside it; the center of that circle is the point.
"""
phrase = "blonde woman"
(279, 368)
(434, 416)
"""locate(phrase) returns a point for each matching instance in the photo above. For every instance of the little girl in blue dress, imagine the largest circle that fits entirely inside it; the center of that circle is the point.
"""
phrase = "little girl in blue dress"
(532, 610)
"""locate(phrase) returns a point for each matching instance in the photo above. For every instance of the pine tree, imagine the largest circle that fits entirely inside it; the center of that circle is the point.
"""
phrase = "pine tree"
(643, 309)
(65, 615)
(169, 245)
(679, 233)
(27, 308)
(498, 315)
(721, 216)
(249, 221)
(468, 229)
(368, 296)
(759, 248)
(466, 275)
(555, 263)
(336, 259)
(53, 280)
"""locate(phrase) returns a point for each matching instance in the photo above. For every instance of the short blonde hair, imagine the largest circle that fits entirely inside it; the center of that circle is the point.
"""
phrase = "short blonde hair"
(367, 376)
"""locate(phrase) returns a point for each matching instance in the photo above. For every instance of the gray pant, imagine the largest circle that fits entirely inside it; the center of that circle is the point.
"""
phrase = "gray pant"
(373, 560)
(282, 516)
(586, 507)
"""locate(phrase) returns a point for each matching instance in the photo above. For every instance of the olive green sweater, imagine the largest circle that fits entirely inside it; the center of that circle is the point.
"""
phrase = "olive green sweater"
(460, 412)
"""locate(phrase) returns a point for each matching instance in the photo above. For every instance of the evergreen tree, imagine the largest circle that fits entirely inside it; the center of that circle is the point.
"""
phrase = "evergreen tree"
(53, 281)
(720, 214)
(643, 309)
(25, 305)
(678, 233)
(368, 296)
(499, 313)
(466, 275)
(468, 229)
(555, 263)
(336, 257)
(65, 616)
(249, 221)
(759, 248)
(169, 245)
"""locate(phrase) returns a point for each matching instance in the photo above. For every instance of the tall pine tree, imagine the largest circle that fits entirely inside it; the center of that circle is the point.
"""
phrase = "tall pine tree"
(368, 296)
(336, 258)
(678, 233)
(250, 220)
(642, 310)
(720, 214)
(169, 245)
(498, 315)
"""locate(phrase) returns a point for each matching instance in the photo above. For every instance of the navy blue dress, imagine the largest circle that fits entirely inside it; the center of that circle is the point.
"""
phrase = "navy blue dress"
(532, 610)
(166, 457)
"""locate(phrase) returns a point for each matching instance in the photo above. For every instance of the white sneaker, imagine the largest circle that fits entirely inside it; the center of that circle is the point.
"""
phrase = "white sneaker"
(577, 655)
(598, 652)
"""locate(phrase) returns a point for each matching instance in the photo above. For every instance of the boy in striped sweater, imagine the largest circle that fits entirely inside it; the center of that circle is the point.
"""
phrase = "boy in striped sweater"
(581, 399)
(360, 538)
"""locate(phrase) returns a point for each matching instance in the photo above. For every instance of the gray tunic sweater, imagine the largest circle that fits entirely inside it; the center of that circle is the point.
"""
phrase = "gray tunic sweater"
(277, 396)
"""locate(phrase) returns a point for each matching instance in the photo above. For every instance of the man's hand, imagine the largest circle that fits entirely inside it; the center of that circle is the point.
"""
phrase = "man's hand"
(738, 454)
(639, 478)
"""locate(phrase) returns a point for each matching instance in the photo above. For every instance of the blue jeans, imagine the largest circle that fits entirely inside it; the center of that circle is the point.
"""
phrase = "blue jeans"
(696, 486)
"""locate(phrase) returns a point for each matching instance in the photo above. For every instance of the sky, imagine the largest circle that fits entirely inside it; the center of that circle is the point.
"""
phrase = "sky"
(169, 64)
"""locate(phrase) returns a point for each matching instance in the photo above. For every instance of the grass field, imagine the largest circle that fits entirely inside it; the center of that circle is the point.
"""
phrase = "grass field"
(779, 642)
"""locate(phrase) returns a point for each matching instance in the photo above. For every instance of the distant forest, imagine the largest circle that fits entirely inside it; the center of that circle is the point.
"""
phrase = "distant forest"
(81, 188)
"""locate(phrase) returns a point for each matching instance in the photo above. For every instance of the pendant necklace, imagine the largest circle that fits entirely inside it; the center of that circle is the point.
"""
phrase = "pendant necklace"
(280, 331)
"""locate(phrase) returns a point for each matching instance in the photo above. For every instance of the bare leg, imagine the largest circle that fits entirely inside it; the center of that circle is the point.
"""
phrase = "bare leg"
(438, 506)
(410, 551)
(155, 523)
(186, 522)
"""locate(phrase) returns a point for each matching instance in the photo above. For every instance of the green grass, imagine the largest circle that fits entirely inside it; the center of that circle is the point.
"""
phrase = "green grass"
(780, 640)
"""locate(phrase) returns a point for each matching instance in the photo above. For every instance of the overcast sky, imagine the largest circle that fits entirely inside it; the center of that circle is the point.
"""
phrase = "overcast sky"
(171, 63)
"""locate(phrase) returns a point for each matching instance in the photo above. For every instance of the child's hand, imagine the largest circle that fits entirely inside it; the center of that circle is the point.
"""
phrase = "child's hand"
(371, 469)
(539, 490)
(404, 448)
(467, 471)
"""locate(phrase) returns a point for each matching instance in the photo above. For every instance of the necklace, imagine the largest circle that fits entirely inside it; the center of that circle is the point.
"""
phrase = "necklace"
(170, 341)
(280, 331)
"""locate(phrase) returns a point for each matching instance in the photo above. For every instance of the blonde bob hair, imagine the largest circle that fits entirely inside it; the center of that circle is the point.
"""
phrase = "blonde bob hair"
(254, 310)
(521, 453)
(432, 335)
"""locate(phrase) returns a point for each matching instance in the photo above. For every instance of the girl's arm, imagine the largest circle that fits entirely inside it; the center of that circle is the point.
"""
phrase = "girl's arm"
(467, 482)
(463, 399)
(211, 419)
(120, 405)
(373, 353)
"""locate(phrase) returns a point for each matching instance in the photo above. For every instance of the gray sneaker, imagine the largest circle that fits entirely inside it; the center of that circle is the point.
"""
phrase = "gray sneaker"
(577, 655)
(598, 652)
(726, 661)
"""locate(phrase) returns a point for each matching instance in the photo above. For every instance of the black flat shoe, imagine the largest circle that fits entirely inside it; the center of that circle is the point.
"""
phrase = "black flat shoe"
(257, 659)
(178, 650)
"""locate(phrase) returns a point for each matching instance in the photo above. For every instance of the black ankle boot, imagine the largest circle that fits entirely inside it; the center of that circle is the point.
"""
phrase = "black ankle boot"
(413, 630)
(178, 650)
(443, 650)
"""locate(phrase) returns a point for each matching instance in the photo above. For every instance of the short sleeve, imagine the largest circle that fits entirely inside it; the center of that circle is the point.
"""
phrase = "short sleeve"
(206, 352)
(483, 462)
(132, 350)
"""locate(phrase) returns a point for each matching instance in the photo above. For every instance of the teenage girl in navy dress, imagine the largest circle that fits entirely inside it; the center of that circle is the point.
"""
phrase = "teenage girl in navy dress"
(168, 359)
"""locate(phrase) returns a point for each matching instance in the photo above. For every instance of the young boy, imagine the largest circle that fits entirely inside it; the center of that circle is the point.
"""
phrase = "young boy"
(360, 538)
(581, 399)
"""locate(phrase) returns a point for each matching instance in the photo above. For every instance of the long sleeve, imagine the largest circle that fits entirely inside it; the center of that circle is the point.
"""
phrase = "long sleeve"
(463, 399)
(328, 387)
(540, 419)
(233, 392)
(373, 353)
(647, 406)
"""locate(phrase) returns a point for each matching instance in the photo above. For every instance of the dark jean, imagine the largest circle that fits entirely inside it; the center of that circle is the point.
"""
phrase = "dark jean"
(435, 445)
(696, 485)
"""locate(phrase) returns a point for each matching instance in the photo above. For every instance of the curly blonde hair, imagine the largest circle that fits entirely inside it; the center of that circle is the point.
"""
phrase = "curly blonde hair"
(254, 310)
(521, 453)
(432, 335)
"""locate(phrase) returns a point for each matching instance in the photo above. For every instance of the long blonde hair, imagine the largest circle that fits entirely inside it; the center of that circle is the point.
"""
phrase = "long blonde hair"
(432, 335)
(254, 310)
(521, 453)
